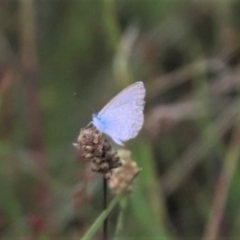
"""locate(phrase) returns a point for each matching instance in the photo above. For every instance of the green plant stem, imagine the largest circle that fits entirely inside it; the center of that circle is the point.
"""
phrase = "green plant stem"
(111, 24)
(121, 215)
(105, 223)
(97, 224)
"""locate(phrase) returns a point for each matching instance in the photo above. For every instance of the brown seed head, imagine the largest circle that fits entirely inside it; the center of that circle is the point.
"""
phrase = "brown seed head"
(97, 149)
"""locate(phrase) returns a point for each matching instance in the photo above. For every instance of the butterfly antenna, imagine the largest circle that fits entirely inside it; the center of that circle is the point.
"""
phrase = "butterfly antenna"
(85, 102)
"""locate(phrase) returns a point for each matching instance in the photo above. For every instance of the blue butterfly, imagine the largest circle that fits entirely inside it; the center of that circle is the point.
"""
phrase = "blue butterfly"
(122, 118)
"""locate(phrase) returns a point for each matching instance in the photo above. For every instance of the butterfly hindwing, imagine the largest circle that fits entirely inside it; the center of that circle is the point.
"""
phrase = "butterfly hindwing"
(124, 122)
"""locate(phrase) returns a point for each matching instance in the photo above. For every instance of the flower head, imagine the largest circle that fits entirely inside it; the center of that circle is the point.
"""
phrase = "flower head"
(123, 175)
(95, 147)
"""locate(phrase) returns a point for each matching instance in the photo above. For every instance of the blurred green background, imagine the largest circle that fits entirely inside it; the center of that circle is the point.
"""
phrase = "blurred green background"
(187, 54)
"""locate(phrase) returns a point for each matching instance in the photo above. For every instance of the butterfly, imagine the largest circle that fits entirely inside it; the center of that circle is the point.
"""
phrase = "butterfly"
(122, 118)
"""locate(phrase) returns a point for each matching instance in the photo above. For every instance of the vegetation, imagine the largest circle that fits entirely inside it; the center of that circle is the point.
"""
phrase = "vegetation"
(187, 55)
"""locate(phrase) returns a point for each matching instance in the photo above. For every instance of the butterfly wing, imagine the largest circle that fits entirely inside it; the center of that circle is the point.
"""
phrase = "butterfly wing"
(122, 118)
(134, 92)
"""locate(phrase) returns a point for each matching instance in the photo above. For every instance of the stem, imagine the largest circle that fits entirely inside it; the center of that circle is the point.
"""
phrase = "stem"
(105, 205)
(119, 228)
(96, 225)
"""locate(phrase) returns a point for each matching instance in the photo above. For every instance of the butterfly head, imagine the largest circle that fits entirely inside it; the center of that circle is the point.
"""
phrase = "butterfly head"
(97, 122)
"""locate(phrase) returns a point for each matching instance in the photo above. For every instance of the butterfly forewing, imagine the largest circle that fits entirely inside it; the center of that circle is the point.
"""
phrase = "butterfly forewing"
(122, 117)
(134, 92)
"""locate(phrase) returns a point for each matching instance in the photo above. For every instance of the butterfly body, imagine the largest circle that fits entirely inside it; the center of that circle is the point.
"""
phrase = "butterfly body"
(122, 118)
